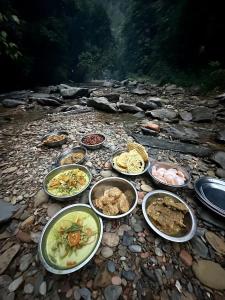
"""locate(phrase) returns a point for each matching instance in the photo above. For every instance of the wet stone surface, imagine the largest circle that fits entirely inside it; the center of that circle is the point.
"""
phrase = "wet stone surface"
(132, 261)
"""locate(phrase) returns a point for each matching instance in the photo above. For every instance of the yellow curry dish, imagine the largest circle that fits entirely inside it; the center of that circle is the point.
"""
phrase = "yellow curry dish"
(68, 183)
(168, 215)
(71, 239)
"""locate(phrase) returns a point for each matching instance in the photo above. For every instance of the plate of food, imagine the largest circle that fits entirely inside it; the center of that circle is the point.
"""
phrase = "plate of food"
(113, 197)
(66, 182)
(55, 138)
(75, 155)
(168, 175)
(169, 216)
(132, 161)
(70, 239)
(93, 141)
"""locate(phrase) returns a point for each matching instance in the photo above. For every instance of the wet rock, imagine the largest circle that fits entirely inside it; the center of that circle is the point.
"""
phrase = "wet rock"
(74, 92)
(212, 219)
(150, 105)
(162, 114)
(53, 208)
(137, 227)
(106, 173)
(102, 103)
(130, 108)
(40, 198)
(110, 239)
(135, 248)
(85, 294)
(221, 136)
(106, 252)
(186, 258)
(48, 102)
(112, 292)
(202, 114)
(146, 188)
(35, 236)
(43, 288)
(154, 142)
(15, 284)
(7, 257)
(147, 131)
(23, 236)
(102, 279)
(210, 274)
(116, 280)
(5, 280)
(199, 248)
(219, 158)
(216, 242)
(155, 100)
(6, 211)
(158, 251)
(25, 261)
(28, 289)
(127, 240)
(11, 103)
(140, 92)
(128, 275)
(185, 115)
(111, 266)
(220, 173)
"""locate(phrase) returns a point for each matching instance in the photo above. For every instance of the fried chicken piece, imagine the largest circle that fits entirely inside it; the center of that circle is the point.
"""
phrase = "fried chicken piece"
(114, 192)
(111, 210)
(124, 205)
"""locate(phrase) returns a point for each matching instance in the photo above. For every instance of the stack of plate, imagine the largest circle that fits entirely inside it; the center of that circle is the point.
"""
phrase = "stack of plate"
(211, 192)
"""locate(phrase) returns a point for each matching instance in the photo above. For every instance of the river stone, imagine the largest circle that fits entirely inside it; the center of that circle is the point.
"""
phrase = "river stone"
(147, 105)
(135, 248)
(140, 92)
(106, 252)
(43, 288)
(162, 114)
(210, 218)
(25, 261)
(106, 173)
(202, 114)
(156, 100)
(102, 279)
(146, 188)
(220, 173)
(5, 280)
(85, 294)
(9, 170)
(130, 108)
(128, 275)
(7, 210)
(40, 198)
(53, 208)
(74, 92)
(111, 266)
(216, 242)
(210, 274)
(112, 292)
(221, 135)
(28, 289)
(7, 257)
(219, 158)
(110, 239)
(102, 103)
(15, 284)
(199, 248)
(11, 103)
(185, 115)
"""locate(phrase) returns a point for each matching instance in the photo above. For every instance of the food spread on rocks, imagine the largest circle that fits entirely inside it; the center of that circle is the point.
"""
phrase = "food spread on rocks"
(72, 158)
(53, 139)
(113, 202)
(168, 215)
(93, 139)
(169, 176)
(139, 264)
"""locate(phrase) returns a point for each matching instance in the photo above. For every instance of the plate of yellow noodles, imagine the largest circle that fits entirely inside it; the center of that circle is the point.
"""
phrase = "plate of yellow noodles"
(132, 161)
(67, 181)
(70, 239)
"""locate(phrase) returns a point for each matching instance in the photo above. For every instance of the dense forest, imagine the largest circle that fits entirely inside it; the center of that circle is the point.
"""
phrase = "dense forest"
(47, 42)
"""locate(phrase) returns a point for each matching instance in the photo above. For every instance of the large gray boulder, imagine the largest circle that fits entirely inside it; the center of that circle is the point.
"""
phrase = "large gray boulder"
(219, 158)
(74, 92)
(130, 108)
(147, 105)
(162, 114)
(11, 103)
(202, 114)
(102, 103)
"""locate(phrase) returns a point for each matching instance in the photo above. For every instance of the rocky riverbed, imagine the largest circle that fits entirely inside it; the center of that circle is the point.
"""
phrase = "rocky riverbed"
(132, 261)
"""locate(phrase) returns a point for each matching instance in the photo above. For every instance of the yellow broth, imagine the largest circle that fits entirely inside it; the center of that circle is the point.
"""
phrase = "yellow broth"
(56, 254)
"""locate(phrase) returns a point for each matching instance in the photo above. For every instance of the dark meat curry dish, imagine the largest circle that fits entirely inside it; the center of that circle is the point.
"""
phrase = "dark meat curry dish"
(167, 215)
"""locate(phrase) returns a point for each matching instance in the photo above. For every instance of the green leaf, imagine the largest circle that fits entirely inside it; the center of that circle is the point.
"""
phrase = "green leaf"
(15, 19)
